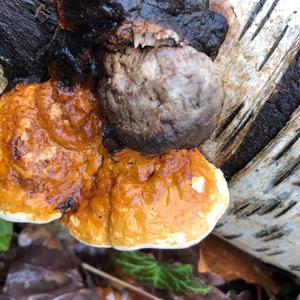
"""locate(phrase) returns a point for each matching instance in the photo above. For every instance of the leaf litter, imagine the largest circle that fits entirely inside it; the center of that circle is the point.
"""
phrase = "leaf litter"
(44, 262)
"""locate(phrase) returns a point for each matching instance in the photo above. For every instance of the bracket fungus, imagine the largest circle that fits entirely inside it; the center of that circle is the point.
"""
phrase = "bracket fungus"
(131, 75)
(159, 99)
(48, 150)
(51, 151)
(158, 88)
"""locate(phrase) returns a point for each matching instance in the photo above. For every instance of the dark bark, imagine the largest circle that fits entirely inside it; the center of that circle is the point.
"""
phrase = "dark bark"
(203, 29)
(273, 116)
(69, 59)
(90, 14)
(26, 28)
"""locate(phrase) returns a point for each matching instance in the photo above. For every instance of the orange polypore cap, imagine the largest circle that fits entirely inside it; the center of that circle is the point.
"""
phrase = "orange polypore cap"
(49, 151)
(51, 155)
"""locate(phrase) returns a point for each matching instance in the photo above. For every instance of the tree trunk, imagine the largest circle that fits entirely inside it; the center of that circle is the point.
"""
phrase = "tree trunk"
(26, 28)
(257, 142)
(258, 136)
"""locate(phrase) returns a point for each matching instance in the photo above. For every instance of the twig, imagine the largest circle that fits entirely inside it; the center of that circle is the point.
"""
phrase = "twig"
(118, 281)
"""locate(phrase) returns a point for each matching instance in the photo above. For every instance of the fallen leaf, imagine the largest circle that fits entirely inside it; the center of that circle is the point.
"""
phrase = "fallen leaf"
(43, 273)
(231, 263)
(5, 261)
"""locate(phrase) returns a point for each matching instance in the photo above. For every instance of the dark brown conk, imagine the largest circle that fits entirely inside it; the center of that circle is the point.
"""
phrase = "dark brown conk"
(159, 99)
(204, 30)
(81, 15)
(156, 91)
(101, 21)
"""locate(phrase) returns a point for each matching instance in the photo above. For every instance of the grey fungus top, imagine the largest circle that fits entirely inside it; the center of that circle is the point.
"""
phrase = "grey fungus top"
(157, 99)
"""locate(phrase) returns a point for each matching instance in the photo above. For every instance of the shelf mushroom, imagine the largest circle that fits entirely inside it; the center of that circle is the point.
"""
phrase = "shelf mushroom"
(158, 99)
(53, 165)
(158, 88)
(48, 150)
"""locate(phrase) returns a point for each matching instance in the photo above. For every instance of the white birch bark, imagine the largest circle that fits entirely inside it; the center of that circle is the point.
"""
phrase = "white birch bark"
(264, 215)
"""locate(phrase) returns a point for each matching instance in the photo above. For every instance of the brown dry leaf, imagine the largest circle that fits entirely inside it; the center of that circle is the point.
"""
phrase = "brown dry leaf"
(42, 273)
(42, 269)
(231, 263)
